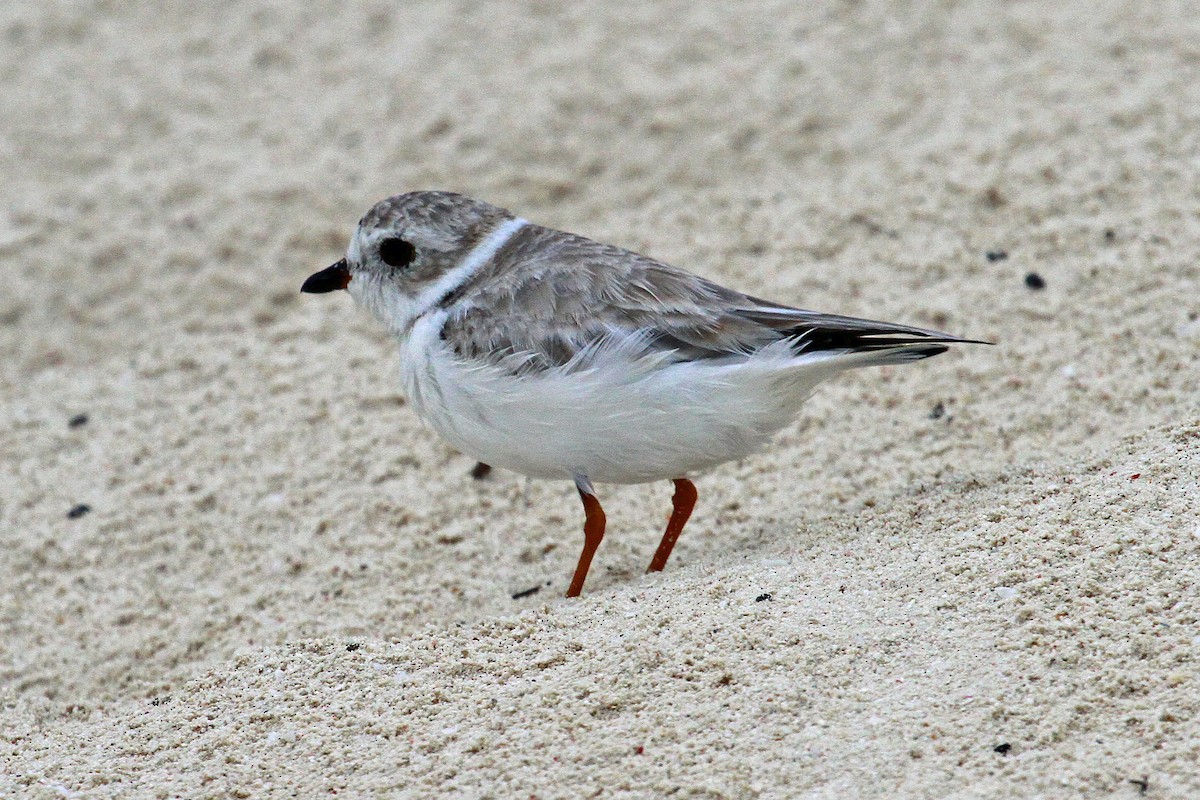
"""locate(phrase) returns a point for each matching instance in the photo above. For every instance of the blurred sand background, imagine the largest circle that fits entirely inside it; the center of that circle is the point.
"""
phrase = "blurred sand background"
(286, 586)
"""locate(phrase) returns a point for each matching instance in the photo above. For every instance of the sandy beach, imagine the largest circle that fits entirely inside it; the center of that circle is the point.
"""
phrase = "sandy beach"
(233, 562)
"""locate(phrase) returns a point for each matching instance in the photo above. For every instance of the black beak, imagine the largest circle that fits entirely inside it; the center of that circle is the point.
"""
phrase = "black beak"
(328, 280)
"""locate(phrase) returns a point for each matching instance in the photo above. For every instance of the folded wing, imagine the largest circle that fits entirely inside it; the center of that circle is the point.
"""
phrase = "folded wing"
(554, 297)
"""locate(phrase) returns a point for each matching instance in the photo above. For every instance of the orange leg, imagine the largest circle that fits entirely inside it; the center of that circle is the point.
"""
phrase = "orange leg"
(593, 533)
(683, 501)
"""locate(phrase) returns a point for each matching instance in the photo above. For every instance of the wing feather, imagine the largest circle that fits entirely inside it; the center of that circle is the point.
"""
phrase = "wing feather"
(551, 296)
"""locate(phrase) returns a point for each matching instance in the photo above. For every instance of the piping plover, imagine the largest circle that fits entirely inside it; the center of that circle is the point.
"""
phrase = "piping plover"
(559, 357)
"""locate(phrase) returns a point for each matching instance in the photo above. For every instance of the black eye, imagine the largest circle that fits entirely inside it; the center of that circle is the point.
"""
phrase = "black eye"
(397, 252)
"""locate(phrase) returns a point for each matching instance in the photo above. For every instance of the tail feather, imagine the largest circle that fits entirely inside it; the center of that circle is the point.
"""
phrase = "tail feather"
(881, 356)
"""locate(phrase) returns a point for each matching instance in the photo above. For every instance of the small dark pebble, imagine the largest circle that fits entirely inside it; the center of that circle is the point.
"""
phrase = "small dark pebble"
(1110, 235)
(480, 470)
(350, 648)
(1002, 749)
(526, 592)
(763, 596)
(1035, 281)
(1142, 783)
(78, 511)
(77, 421)
(938, 411)
(996, 255)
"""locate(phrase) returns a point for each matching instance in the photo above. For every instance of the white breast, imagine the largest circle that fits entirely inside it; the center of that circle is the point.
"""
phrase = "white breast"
(619, 420)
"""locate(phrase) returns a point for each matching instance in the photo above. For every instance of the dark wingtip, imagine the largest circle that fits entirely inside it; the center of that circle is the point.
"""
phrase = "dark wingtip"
(329, 279)
(879, 347)
(865, 338)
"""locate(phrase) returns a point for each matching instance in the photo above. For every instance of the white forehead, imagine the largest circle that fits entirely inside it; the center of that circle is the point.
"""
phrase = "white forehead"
(363, 240)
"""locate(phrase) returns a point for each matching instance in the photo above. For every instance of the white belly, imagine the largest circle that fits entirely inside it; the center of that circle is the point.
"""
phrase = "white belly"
(618, 420)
